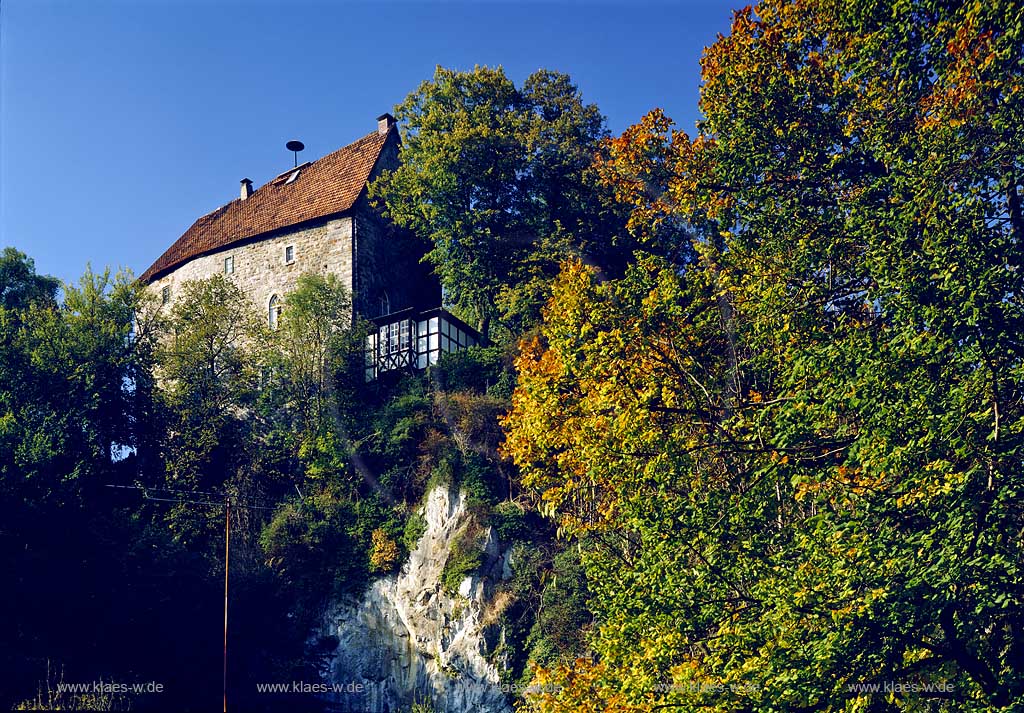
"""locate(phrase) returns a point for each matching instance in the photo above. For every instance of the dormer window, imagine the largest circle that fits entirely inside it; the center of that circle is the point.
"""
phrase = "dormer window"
(274, 312)
(165, 295)
(289, 255)
(229, 265)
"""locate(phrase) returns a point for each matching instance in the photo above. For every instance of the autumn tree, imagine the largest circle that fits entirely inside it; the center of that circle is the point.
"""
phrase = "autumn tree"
(797, 458)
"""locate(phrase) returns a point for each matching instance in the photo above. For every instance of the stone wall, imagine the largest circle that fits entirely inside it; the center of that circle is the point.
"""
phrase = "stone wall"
(260, 269)
(389, 275)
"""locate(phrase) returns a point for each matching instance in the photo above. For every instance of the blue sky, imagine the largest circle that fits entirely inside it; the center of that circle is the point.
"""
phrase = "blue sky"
(123, 121)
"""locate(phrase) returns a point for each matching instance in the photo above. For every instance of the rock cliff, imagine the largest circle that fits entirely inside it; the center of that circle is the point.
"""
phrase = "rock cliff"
(408, 640)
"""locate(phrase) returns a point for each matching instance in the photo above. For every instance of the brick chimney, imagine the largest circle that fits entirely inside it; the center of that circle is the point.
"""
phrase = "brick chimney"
(246, 188)
(384, 123)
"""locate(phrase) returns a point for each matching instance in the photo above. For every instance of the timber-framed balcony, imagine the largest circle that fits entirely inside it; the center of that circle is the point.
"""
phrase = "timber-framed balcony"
(414, 339)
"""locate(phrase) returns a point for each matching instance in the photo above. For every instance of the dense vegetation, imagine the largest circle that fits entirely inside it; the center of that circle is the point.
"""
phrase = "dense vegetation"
(182, 409)
(795, 457)
(749, 413)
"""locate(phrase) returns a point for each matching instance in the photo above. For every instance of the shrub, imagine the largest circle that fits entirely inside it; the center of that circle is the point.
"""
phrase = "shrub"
(476, 368)
(415, 526)
(383, 552)
(509, 521)
(465, 557)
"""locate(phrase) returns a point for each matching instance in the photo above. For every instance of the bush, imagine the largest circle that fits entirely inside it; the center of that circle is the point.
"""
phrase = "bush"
(482, 481)
(473, 419)
(303, 539)
(383, 552)
(564, 618)
(475, 369)
(509, 521)
(465, 557)
(415, 526)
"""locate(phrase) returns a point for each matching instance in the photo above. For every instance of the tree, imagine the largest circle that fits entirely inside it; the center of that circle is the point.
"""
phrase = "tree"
(796, 458)
(20, 285)
(318, 350)
(74, 393)
(210, 363)
(209, 359)
(73, 375)
(498, 180)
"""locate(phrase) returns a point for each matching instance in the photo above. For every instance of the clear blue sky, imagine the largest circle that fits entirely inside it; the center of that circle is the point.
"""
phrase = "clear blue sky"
(121, 122)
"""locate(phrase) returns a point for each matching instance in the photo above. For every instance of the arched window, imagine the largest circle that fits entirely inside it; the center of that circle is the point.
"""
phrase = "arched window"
(385, 304)
(274, 315)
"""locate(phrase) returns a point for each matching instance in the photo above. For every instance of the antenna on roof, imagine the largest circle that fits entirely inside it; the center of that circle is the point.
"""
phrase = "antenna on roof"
(295, 147)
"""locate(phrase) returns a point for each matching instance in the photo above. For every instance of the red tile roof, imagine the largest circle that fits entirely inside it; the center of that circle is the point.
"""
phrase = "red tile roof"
(324, 187)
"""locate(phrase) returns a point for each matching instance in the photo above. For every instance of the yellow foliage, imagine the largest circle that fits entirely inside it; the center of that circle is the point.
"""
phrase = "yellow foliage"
(383, 551)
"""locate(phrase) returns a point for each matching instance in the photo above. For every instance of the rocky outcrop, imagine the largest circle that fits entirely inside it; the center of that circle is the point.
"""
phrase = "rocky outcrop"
(407, 640)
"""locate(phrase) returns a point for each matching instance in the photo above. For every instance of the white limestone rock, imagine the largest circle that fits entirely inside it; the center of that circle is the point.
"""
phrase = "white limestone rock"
(408, 640)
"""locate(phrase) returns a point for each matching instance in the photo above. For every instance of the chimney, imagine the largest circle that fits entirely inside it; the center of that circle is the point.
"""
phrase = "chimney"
(246, 188)
(384, 123)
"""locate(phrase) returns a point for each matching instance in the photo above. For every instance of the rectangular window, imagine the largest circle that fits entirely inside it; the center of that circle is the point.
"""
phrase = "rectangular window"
(165, 295)
(289, 255)
(229, 265)
(404, 335)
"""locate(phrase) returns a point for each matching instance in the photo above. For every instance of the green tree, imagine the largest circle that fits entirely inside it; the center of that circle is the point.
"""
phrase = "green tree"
(315, 341)
(20, 284)
(209, 359)
(73, 375)
(74, 393)
(211, 362)
(498, 180)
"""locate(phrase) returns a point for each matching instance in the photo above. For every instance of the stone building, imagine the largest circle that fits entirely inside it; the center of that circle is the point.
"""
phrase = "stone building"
(316, 218)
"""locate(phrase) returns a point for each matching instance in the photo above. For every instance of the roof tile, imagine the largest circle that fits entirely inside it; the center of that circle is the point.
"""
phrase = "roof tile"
(330, 185)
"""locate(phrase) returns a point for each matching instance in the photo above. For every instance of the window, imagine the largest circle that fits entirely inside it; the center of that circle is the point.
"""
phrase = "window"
(289, 255)
(274, 315)
(165, 295)
(371, 357)
(229, 265)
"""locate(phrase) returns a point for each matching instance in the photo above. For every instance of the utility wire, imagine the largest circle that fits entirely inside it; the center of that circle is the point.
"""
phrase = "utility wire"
(170, 490)
(227, 496)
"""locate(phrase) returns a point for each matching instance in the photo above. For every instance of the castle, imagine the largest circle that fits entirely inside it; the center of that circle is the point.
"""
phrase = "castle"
(316, 218)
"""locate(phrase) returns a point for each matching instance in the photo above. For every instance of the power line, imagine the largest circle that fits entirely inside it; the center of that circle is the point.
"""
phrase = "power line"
(235, 502)
(169, 490)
